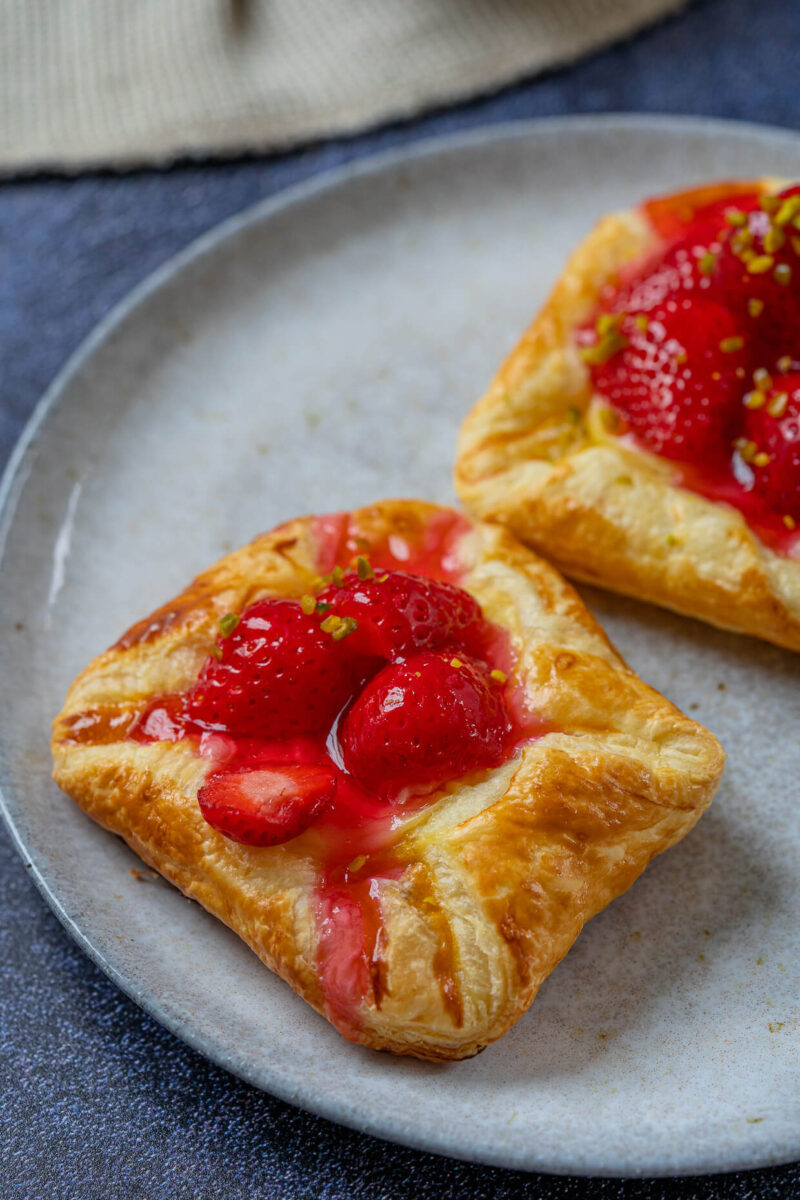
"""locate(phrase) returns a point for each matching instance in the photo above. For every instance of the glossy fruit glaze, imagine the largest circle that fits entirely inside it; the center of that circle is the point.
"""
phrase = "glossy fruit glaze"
(697, 350)
(332, 719)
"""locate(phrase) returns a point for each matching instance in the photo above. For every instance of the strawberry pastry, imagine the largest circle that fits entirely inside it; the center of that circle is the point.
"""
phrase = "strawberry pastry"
(395, 753)
(646, 431)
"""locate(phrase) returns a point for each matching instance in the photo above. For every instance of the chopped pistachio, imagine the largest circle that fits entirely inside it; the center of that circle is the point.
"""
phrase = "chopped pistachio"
(228, 623)
(789, 521)
(762, 379)
(602, 351)
(755, 307)
(747, 449)
(337, 576)
(347, 626)
(323, 607)
(608, 323)
(357, 863)
(789, 209)
(770, 204)
(642, 322)
(365, 571)
(759, 264)
(777, 405)
(735, 216)
(624, 480)
(782, 274)
(500, 676)
(730, 345)
(754, 399)
(706, 264)
(308, 604)
(216, 653)
(784, 363)
(331, 623)
(761, 459)
(456, 663)
(774, 238)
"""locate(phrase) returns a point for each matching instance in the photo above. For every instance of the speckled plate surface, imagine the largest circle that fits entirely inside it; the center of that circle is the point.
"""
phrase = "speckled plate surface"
(314, 354)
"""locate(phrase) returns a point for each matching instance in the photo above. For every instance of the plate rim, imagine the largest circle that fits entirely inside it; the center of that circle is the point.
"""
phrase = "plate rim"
(15, 475)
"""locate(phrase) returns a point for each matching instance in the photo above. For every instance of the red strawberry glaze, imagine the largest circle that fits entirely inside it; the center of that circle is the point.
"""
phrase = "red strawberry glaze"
(350, 826)
(687, 342)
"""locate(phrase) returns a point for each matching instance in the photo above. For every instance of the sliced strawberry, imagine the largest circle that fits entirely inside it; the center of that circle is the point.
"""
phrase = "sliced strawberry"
(398, 614)
(757, 275)
(679, 379)
(279, 674)
(267, 805)
(773, 431)
(423, 721)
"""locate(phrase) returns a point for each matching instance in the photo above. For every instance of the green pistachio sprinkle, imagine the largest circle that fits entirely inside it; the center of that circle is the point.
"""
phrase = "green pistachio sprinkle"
(322, 607)
(609, 344)
(346, 626)
(760, 264)
(365, 571)
(735, 217)
(228, 623)
(337, 576)
(216, 653)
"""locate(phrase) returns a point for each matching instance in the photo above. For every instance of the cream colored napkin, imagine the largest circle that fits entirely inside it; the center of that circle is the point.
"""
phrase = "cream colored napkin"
(92, 82)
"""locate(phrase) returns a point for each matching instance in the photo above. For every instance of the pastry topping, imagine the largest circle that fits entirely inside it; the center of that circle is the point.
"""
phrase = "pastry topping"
(380, 687)
(264, 806)
(399, 613)
(333, 719)
(676, 341)
(775, 431)
(279, 674)
(399, 733)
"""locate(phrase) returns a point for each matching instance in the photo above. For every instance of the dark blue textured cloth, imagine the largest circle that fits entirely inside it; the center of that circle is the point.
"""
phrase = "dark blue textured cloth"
(98, 1101)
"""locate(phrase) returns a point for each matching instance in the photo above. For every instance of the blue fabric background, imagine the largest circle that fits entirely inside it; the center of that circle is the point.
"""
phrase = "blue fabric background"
(98, 1101)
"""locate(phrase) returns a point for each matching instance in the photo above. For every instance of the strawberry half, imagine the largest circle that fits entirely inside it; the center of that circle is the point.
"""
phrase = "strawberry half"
(399, 614)
(267, 805)
(773, 431)
(279, 675)
(679, 378)
(423, 721)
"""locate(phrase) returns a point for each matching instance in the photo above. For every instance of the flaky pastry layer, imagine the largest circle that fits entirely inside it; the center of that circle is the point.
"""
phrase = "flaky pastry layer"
(502, 870)
(603, 511)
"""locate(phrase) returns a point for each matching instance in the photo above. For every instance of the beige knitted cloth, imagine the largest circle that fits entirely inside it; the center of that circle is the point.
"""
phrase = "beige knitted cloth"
(91, 82)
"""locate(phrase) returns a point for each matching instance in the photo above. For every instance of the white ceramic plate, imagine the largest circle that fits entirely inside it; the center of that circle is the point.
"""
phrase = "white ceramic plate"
(314, 354)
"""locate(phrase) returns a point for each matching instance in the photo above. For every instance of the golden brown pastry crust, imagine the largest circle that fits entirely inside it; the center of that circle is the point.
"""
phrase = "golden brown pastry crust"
(605, 512)
(503, 869)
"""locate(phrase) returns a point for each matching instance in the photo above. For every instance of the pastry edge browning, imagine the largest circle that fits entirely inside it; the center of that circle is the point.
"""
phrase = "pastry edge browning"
(512, 865)
(609, 514)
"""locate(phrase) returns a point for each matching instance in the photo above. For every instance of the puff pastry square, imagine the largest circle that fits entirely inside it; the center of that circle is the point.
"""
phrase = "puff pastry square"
(499, 872)
(605, 511)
